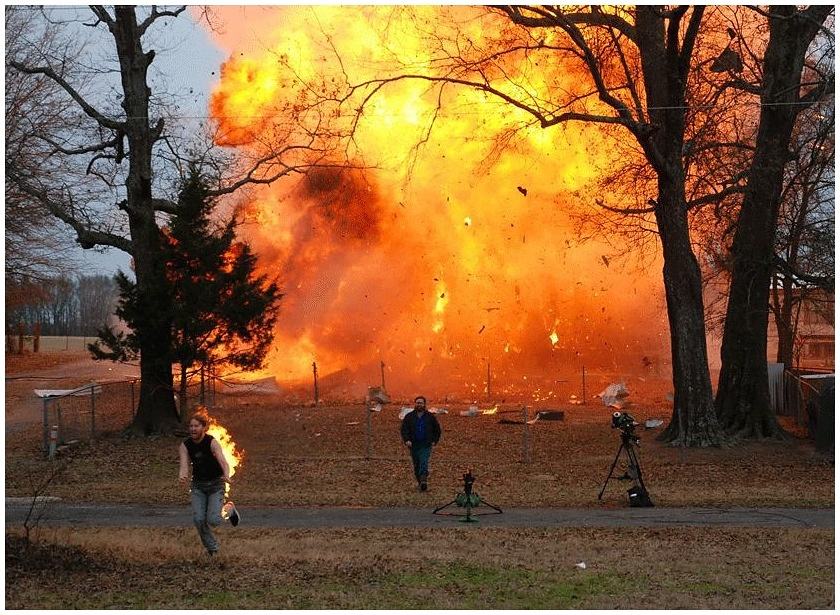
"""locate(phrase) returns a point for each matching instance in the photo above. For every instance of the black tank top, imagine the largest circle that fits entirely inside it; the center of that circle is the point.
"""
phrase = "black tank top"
(205, 465)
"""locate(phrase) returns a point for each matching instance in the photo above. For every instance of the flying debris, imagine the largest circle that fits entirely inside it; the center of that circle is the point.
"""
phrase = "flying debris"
(606, 260)
(524, 191)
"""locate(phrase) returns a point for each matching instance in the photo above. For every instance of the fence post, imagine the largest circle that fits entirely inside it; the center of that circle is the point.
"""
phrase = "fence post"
(315, 379)
(59, 421)
(369, 429)
(583, 377)
(488, 377)
(53, 441)
(46, 425)
(92, 411)
(526, 444)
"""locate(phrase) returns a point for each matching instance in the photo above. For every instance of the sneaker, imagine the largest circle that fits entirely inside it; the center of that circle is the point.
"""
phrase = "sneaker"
(233, 517)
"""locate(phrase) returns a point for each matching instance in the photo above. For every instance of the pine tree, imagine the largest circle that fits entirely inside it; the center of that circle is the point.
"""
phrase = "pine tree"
(223, 313)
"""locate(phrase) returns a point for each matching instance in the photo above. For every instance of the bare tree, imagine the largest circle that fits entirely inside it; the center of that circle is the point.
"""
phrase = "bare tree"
(743, 399)
(805, 236)
(35, 247)
(122, 155)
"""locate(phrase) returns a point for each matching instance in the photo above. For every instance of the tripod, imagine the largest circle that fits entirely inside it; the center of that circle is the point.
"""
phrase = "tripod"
(469, 500)
(638, 493)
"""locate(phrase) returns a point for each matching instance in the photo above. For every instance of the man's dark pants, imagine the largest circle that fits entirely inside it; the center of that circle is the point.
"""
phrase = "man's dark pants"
(420, 454)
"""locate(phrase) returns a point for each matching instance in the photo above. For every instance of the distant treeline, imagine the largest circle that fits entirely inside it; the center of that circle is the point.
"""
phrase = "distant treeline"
(62, 305)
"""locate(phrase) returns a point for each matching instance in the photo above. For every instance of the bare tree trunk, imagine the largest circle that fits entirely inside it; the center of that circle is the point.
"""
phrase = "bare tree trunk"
(784, 325)
(743, 396)
(693, 421)
(665, 67)
(156, 411)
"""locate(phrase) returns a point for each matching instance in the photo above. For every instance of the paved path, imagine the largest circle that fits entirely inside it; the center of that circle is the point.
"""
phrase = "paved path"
(62, 513)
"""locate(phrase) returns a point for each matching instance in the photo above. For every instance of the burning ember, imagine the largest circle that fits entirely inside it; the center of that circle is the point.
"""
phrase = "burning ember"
(232, 455)
(436, 259)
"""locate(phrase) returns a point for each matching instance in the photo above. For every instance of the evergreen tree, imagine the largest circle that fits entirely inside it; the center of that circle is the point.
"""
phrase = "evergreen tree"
(223, 313)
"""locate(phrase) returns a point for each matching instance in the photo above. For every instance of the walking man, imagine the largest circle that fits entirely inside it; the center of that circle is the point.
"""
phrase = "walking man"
(210, 472)
(420, 431)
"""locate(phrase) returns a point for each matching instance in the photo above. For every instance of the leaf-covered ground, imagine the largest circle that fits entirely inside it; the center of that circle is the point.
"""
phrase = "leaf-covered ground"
(464, 567)
(304, 456)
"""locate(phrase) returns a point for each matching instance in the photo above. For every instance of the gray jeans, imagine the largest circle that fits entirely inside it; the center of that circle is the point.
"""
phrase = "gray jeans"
(207, 510)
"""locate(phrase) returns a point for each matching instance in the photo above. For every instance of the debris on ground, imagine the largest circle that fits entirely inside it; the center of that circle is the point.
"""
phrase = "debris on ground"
(581, 565)
(573, 399)
(379, 395)
(615, 395)
(653, 423)
(492, 410)
(518, 421)
(435, 410)
(551, 415)
(471, 411)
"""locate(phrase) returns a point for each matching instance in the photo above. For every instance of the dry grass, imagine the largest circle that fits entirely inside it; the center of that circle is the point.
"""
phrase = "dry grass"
(464, 567)
(300, 455)
(31, 362)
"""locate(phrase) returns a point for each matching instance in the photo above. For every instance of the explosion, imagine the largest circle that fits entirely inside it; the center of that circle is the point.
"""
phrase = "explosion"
(450, 249)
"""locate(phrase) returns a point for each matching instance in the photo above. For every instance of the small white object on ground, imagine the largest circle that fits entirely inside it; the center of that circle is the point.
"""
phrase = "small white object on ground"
(581, 565)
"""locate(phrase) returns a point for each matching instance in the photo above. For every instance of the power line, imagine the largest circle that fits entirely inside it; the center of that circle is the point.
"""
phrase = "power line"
(454, 113)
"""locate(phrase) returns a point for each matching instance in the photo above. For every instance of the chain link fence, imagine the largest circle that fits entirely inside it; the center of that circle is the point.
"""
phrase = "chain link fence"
(87, 411)
(102, 408)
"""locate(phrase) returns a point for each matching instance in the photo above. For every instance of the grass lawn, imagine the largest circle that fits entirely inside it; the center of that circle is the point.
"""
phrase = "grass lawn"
(463, 567)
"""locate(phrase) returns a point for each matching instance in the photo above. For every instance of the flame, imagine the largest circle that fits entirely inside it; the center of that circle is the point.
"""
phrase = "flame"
(233, 456)
(359, 252)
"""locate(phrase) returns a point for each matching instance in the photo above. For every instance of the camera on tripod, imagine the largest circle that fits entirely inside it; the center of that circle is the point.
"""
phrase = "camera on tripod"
(624, 422)
(638, 494)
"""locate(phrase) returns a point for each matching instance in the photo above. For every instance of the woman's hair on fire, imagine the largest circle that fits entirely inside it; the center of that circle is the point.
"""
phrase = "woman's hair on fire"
(201, 415)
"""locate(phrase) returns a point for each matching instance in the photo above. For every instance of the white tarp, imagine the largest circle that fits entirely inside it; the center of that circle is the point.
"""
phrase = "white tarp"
(82, 391)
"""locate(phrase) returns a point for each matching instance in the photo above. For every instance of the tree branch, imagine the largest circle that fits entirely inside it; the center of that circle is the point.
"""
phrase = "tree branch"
(155, 15)
(716, 197)
(689, 38)
(824, 282)
(79, 150)
(87, 237)
(103, 121)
